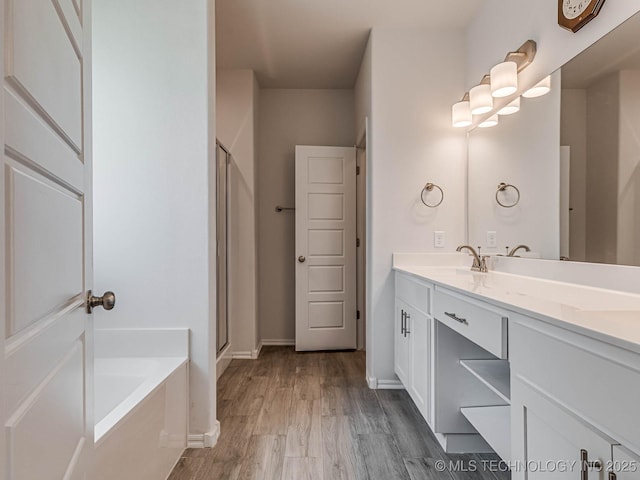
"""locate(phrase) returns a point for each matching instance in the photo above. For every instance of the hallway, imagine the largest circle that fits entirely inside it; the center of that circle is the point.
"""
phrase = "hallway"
(294, 415)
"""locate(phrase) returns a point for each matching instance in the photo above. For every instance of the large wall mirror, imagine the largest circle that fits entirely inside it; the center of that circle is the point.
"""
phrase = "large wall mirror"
(574, 156)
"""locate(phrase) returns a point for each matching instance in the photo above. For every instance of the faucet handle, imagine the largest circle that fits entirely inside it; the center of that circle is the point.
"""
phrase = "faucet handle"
(483, 263)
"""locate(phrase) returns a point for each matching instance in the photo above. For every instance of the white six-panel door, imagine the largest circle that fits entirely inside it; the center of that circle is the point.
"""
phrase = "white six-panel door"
(325, 248)
(45, 239)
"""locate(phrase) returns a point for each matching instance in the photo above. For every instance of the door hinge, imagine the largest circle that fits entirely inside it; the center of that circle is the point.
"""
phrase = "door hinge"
(357, 170)
(357, 242)
(357, 314)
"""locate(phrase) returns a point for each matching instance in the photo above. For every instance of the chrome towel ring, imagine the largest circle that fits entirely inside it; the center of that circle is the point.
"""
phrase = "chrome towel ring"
(429, 187)
(503, 187)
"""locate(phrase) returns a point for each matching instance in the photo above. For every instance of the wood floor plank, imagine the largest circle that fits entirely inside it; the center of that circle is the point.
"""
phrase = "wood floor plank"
(187, 468)
(336, 401)
(250, 397)
(264, 459)
(340, 450)
(302, 469)
(275, 414)
(304, 435)
(235, 432)
(367, 414)
(382, 457)
(425, 469)
(468, 467)
(410, 430)
(307, 387)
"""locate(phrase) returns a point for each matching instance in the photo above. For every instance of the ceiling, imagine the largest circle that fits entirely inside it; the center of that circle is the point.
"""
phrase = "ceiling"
(318, 43)
(618, 50)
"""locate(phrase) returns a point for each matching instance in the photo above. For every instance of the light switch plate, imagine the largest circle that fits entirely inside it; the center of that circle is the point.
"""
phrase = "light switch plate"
(492, 240)
(438, 239)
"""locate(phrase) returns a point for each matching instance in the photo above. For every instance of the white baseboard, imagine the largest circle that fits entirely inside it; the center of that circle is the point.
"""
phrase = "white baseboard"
(223, 361)
(204, 440)
(382, 384)
(256, 353)
(242, 355)
(278, 342)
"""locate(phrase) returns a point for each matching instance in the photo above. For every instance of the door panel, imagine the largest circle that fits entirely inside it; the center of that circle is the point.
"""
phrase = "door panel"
(44, 65)
(44, 232)
(326, 242)
(45, 241)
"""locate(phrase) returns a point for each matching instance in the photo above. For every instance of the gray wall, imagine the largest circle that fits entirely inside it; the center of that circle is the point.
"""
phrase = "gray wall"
(288, 118)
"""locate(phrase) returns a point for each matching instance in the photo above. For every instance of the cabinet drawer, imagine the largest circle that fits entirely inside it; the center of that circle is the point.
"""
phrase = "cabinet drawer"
(481, 323)
(415, 293)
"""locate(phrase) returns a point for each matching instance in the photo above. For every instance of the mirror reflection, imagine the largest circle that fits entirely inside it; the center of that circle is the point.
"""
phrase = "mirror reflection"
(574, 155)
(600, 138)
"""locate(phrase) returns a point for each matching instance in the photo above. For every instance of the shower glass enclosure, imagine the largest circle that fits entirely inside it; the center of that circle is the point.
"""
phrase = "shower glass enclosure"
(223, 160)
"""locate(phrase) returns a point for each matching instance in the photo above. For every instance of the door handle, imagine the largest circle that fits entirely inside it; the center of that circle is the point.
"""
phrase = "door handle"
(301, 259)
(406, 325)
(106, 301)
(585, 465)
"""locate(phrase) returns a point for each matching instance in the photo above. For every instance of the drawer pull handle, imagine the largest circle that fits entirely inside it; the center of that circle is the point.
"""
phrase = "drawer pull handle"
(585, 465)
(456, 318)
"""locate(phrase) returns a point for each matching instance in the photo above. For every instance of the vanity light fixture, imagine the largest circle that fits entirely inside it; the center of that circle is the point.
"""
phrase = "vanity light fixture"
(502, 83)
(492, 121)
(480, 98)
(511, 108)
(461, 113)
(539, 89)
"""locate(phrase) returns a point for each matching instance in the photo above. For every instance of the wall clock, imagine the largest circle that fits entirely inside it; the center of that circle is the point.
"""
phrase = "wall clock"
(575, 14)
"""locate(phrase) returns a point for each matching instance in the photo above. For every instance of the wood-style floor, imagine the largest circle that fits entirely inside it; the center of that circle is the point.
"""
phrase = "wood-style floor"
(297, 416)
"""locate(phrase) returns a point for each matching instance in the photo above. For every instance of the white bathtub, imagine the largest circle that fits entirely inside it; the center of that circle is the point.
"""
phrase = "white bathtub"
(140, 406)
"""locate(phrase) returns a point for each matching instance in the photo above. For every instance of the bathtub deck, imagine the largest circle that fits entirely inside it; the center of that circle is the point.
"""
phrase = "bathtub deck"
(297, 416)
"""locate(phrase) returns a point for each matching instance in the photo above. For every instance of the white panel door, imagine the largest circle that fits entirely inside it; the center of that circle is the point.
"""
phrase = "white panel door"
(325, 248)
(45, 240)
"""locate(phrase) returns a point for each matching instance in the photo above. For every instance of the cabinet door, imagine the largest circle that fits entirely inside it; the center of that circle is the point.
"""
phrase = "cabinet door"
(549, 441)
(401, 350)
(419, 361)
(625, 465)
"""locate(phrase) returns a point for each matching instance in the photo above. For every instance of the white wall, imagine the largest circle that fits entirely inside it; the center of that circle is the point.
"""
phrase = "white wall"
(573, 133)
(152, 128)
(236, 114)
(522, 150)
(414, 76)
(503, 26)
(289, 118)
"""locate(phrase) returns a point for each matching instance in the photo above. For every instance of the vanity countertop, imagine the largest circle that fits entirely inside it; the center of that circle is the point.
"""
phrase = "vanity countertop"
(606, 315)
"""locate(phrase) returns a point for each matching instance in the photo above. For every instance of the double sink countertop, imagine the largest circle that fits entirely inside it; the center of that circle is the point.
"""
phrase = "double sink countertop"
(606, 315)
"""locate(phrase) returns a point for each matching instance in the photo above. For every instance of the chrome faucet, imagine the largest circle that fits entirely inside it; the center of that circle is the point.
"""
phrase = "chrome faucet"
(513, 251)
(479, 262)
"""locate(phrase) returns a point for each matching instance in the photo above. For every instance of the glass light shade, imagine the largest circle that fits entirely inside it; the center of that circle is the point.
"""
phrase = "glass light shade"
(541, 88)
(489, 122)
(511, 108)
(504, 79)
(461, 114)
(480, 99)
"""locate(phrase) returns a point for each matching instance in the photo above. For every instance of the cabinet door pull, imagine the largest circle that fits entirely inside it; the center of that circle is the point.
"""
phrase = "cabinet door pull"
(613, 476)
(406, 324)
(402, 319)
(456, 318)
(585, 465)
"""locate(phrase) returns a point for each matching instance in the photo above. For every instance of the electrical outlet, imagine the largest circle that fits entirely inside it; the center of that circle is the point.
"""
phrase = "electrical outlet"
(492, 240)
(438, 239)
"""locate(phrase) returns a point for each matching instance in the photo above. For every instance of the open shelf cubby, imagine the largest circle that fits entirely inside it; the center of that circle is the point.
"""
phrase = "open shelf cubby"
(494, 424)
(495, 374)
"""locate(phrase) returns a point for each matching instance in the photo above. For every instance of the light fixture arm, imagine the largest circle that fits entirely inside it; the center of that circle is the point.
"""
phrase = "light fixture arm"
(523, 57)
